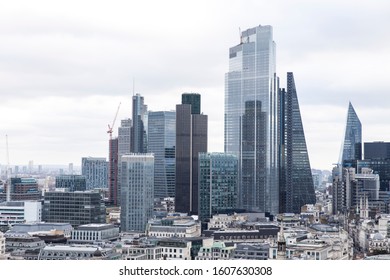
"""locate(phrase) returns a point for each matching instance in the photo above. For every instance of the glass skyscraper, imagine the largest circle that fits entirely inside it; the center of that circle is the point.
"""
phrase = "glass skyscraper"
(218, 178)
(352, 144)
(161, 142)
(137, 189)
(139, 129)
(251, 118)
(296, 181)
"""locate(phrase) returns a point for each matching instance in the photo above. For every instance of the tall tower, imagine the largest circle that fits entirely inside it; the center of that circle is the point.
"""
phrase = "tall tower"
(352, 145)
(137, 183)
(114, 195)
(138, 131)
(162, 142)
(95, 171)
(296, 181)
(191, 139)
(251, 82)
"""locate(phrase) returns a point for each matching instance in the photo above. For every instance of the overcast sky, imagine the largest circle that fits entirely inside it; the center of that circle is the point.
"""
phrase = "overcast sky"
(65, 67)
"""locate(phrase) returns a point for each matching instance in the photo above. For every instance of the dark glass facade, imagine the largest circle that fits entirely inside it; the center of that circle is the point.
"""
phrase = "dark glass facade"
(114, 193)
(161, 142)
(72, 183)
(253, 194)
(377, 150)
(138, 143)
(193, 99)
(76, 208)
(296, 181)
(218, 182)
(352, 144)
(191, 139)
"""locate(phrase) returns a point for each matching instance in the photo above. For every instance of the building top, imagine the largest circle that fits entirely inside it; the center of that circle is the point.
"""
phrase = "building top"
(95, 227)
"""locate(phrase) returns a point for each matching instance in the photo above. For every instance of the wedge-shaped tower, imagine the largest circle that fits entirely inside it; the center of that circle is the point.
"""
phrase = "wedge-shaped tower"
(352, 146)
(296, 182)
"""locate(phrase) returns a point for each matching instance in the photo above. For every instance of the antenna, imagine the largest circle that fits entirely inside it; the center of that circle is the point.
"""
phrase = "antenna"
(239, 34)
(133, 86)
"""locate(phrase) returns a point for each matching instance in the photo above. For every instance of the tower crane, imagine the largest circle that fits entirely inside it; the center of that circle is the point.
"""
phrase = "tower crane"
(109, 131)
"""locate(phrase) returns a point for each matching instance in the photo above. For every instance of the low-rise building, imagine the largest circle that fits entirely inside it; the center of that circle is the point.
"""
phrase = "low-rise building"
(173, 227)
(251, 251)
(15, 212)
(217, 250)
(78, 252)
(94, 233)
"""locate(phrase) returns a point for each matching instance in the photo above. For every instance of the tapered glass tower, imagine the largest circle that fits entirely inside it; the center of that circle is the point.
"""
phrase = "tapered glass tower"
(251, 118)
(352, 145)
(296, 181)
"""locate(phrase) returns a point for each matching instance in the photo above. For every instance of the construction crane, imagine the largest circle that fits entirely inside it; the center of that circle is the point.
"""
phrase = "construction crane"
(109, 131)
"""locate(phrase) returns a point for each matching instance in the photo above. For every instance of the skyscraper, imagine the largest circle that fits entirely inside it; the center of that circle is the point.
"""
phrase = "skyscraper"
(191, 139)
(137, 183)
(138, 131)
(296, 181)
(251, 118)
(95, 171)
(218, 180)
(352, 145)
(114, 195)
(162, 142)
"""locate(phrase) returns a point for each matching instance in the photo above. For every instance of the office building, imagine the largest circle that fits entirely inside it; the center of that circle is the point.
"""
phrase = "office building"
(137, 191)
(17, 212)
(218, 182)
(161, 142)
(71, 183)
(76, 208)
(343, 184)
(191, 139)
(377, 157)
(95, 171)
(21, 189)
(251, 118)
(114, 195)
(94, 233)
(124, 137)
(351, 150)
(138, 140)
(295, 181)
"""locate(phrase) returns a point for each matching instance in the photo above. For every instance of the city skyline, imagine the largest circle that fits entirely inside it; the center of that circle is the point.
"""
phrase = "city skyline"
(64, 70)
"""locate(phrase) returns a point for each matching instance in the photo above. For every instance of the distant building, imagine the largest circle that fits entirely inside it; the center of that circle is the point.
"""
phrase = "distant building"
(71, 183)
(95, 171)
(16, 212)
(114, 194)
(162, 142)
(124, 148)
(191, 139)
(352, 144)
(76, 208)
(218, 184)
(137, 191)
(22, 189)
(138, 140)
